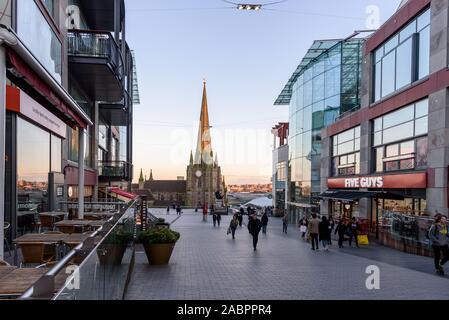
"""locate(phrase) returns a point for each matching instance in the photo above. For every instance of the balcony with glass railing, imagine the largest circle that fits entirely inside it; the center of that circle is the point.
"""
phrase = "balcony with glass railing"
(95, 60)
(114, 171)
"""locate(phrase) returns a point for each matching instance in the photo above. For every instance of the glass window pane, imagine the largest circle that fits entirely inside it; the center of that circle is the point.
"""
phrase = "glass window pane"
(307, 119)
(400, 132)
(424, 20)
(407, 31)
(424, 53)
(379, 159)
(378, 81)
(318, 68)
(343, 160)
(421, 126)
(404, 64)
(357, 132)
(307, 144)
(351, 158)
(408, 147)
(392, 151)
(346, 147)
(378, 138)
(400, 116)
(378, 124)
(421, 153)
(379, 54)
(388, 73)
(357, 144)
(318, 88)
(333, 80)
(56, 154)
(391, 44)
(357, 163)
(346, 136)
(422, 108)
(308, 94)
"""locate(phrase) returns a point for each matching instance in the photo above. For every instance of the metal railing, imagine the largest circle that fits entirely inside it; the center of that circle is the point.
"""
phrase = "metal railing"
(115, 169)
(96, 44)
(105, 267)
(404, 226)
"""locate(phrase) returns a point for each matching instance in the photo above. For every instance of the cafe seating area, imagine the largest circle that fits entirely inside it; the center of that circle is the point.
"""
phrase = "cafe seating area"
(36, 251)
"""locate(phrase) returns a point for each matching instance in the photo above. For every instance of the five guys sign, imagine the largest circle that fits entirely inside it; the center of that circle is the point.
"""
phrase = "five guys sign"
(393, 181)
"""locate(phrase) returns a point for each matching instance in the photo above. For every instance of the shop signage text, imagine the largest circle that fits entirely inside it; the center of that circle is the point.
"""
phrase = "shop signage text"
(392, 181)
(366, 182)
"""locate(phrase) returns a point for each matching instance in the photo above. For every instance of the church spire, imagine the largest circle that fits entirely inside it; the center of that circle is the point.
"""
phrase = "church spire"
(191, 157)
(204, 146)
(141, 176)
(151, 175)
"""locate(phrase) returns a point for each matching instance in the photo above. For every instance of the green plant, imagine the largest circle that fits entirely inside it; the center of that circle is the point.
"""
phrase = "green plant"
(159, 236)
(120, 237)
(160, 220)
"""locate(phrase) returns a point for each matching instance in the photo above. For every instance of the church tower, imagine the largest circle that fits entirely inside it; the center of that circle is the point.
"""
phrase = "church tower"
(204, 181)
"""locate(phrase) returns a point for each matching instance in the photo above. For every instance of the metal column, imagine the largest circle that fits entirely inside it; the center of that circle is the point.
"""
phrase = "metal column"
(2, 145)
(81, 173)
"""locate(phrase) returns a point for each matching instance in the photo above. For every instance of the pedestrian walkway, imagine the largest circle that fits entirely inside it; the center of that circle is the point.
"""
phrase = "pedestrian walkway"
(207, 264)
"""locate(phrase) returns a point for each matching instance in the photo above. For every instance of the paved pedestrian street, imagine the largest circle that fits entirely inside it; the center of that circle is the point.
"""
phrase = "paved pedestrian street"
(207, 265)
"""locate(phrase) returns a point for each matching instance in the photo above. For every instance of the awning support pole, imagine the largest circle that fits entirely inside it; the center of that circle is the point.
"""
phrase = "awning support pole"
(2, 145)
(81, 173)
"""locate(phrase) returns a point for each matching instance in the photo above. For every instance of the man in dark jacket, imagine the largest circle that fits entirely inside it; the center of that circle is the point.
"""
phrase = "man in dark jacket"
(240, 217)
(354, 228)
(254, 226)
(264, 222)
(341, 230)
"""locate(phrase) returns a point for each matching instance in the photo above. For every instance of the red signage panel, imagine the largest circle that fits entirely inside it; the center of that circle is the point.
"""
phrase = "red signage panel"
(392, 181)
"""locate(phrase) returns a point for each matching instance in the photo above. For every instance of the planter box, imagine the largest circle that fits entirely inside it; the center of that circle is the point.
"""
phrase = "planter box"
(114, 254)
(158, 254)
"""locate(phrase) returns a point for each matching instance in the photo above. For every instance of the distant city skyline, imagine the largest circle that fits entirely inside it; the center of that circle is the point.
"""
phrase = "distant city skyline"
(246, 58)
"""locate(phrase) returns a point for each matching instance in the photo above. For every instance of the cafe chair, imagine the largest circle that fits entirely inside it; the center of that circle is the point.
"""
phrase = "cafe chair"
(6, 227)
(3, 263)
(36, 253)
(46, 223)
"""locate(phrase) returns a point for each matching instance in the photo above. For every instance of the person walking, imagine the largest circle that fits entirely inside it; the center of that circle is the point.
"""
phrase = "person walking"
(254, 227)
(341, 231)
(354, 228)
(233, 226)
(331, 229)
(314, 231)
(205, 213)
(324, 232)
(240, 217)
(264, 222)
(214, 218)
(168, 209)
(303, 224)
(218, 219)
(439, 238)
(285, 223)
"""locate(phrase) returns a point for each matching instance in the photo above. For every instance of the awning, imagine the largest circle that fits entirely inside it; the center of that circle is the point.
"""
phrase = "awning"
(351, 196)
(63, 111)
(124, 194)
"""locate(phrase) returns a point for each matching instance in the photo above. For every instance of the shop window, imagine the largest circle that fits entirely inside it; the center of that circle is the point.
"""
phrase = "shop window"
(393, 62)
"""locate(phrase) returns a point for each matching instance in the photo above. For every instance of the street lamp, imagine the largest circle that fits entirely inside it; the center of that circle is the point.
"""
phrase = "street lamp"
(248, 7)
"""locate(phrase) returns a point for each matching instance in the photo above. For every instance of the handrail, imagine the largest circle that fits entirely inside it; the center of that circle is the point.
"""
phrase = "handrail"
(61, 264)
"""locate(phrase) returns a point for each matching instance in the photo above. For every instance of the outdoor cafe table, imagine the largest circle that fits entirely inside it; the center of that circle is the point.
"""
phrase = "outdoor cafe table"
(104, 214)
(16, 282)
(41, 238)
(5, 270)
(82, 224)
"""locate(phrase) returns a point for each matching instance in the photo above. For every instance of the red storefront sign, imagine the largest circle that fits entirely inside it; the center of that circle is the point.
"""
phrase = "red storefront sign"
(392, 181)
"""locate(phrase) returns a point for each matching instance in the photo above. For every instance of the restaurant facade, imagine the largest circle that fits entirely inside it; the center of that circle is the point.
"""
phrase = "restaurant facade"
(387, 163)
(61, 95)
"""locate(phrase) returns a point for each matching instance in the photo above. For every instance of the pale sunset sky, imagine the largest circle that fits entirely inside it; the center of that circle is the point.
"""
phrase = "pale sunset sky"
(246, 57)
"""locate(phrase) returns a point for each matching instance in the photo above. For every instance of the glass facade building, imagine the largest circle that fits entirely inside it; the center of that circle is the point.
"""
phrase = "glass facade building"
(325, 86)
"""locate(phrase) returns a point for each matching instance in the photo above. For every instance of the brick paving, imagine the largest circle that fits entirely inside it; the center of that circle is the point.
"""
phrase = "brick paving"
(207, 265)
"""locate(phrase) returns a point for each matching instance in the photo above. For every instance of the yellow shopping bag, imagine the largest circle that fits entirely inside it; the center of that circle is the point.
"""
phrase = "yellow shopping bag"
(363, 240)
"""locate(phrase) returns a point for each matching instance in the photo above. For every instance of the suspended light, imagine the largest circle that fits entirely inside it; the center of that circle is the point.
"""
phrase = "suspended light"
(248, 7)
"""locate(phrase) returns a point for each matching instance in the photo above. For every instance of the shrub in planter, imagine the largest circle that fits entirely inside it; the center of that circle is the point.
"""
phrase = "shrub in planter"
(159, 244)
(114, 247)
